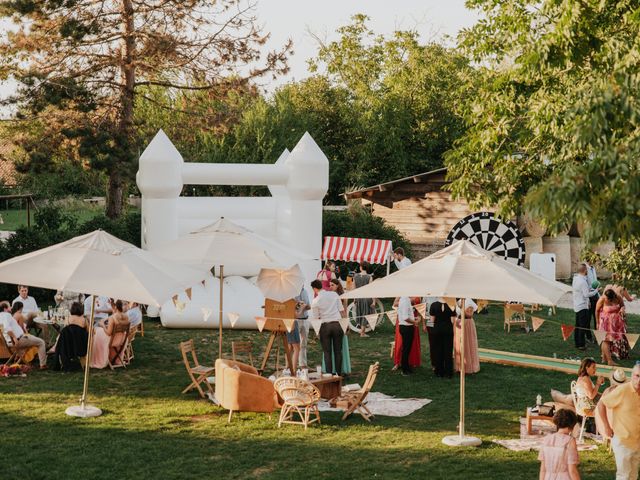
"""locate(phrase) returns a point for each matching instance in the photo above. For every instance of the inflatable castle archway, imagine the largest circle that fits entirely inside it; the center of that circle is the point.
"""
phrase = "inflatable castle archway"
(292, 215)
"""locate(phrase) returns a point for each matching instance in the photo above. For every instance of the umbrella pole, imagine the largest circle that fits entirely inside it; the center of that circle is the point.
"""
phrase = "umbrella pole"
(461, 440)
(85, 410)
(220, 313)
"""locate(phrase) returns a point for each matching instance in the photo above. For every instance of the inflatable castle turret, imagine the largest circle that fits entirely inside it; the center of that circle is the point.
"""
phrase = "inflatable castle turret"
(292, 215)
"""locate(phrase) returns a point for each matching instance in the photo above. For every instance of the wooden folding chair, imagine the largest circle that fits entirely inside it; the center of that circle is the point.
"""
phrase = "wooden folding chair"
(117, 353)
(580, 409)
(128, 350)
(7, 351)
(354, 401)
(514, 315)
(244, 348)
(198, 373)
(299, 397)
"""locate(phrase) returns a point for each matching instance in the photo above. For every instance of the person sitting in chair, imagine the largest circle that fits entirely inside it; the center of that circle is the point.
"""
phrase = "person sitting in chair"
(71, 346)
(15, 334)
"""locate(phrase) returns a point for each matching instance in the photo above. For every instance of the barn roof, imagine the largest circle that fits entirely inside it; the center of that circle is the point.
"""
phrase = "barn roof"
(418, 178)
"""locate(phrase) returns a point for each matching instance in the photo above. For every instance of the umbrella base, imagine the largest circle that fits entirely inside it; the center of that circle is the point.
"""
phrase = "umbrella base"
(458, 441)
(83, 412)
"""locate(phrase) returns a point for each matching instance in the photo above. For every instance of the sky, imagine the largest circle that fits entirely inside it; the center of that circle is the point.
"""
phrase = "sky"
(295, 19)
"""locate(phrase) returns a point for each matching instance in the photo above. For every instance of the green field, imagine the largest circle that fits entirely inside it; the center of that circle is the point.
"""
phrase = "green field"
(14, 218)
(150, 430)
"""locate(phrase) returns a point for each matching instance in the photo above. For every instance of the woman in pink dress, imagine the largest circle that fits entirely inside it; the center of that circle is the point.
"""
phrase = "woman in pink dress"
(471, 357)
(327, 274)
(102, 337)
(609, 312)
(559, 453)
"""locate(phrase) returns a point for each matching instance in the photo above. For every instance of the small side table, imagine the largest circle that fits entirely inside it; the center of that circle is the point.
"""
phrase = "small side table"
(534, 416)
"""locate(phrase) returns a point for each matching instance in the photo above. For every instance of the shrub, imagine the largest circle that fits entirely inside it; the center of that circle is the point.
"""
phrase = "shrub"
(358, 222)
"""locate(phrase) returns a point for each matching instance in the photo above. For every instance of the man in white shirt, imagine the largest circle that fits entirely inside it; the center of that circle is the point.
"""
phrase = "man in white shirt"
(135, 315)
(406, 322)
(16, 336)
(327, 306)
(29, 306)
(102, 309)
(581, 294)
(399, 259)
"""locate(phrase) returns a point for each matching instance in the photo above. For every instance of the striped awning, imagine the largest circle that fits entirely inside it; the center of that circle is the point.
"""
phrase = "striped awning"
(356, 249)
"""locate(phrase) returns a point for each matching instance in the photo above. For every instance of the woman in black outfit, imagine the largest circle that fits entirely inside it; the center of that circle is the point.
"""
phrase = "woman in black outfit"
(442, 317)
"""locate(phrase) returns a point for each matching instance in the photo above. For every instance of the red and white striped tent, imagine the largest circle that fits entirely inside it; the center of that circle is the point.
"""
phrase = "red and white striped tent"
(357, 250)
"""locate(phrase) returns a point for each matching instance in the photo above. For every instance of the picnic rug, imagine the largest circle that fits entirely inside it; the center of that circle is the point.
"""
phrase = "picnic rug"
(386, 405)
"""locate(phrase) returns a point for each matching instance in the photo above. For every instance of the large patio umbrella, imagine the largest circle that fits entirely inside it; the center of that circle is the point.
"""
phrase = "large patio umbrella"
(464, 270)
(100, 264)
(225, 243)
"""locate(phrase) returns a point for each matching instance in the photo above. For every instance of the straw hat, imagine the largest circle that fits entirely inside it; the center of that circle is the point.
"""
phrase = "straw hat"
(618, 377)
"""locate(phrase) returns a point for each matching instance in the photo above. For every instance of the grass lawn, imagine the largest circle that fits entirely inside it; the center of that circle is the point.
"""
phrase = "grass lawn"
(14, 218)
(150, 430)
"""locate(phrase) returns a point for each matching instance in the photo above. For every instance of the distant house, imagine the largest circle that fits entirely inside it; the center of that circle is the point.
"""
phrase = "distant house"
(418, 206)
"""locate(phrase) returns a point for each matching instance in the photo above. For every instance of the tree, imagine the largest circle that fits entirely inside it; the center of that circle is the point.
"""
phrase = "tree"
(82, 63)
(554, 126)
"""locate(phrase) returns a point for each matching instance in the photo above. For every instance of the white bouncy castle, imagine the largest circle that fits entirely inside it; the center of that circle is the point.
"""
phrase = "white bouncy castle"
(292, 215)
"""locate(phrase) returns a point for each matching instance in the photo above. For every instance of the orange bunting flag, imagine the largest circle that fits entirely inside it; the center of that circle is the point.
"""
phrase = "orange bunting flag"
(567, 330)
(260, 321)
(372, 320)
(316, 324)
(206, 313)
(288, 323)
(600, 335)
(537, 323)
(188, 292)
(632, 338)
(421, 308)
(392, 315)
(233, 318)
(344, 323)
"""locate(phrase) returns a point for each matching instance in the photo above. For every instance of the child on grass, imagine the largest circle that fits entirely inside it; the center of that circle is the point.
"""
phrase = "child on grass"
(559, 452)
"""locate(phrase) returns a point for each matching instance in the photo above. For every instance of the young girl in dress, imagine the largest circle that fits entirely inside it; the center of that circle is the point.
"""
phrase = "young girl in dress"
(559, 452)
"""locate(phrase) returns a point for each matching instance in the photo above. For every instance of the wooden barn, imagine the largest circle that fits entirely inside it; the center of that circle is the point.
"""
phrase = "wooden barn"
(418, 206)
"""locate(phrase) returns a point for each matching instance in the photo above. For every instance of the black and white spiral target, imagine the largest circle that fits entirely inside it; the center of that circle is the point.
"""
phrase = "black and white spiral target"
(491, 234)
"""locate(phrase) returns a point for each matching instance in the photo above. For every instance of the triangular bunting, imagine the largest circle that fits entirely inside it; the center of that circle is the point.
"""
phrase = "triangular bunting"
(451, 301)
(392, 315)
(260, 321)
(344, 323)
(600, 335)
(421, 308)
(632, 338)
(206, 313)
(537, 323)
(567, 330)
(175, 300)
(316, 324)
(188, 292)
(233, 318)
(202, 282)
(372, 320)
(180, 306)
(288, 323)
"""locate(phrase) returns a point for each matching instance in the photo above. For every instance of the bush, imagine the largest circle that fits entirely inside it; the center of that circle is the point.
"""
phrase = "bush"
(358, 222)
(66, 179)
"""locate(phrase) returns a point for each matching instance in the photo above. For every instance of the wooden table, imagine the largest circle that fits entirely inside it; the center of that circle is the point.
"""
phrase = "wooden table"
(330, 387)
(534, 416)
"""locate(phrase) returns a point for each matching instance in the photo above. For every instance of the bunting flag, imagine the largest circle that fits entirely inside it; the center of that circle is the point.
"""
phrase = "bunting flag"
(233, 318)
(206, 313)
(175, 300)
(202, 282)
(392, 315)
(372, 320)
(421, 308)
(180, 306)
(188, 292)
(632, 338)
(288, 323)
(451, 301)
(537, 323)
(260, 321)
(316, 324)
(600, 335)
(567, 330)
(344, 323)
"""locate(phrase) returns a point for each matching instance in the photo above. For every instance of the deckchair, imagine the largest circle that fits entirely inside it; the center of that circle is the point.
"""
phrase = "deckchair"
(242, 347)
(198, 373)
(354, 401)
(118, 352)
(514, 315)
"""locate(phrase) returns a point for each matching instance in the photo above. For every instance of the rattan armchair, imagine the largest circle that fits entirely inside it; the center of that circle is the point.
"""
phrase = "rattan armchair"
(300, 397)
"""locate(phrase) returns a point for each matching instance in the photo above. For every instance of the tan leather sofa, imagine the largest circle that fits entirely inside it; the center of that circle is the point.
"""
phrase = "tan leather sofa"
(240, 388)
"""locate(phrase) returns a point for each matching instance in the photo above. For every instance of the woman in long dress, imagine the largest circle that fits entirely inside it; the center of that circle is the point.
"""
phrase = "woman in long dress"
(471, 358)
(102, 336)
(336, 286)
(609, 312)
(364, 306)
(415, 355)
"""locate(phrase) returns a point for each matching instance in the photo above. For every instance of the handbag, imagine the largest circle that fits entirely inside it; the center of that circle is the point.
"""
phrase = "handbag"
(546, 410)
